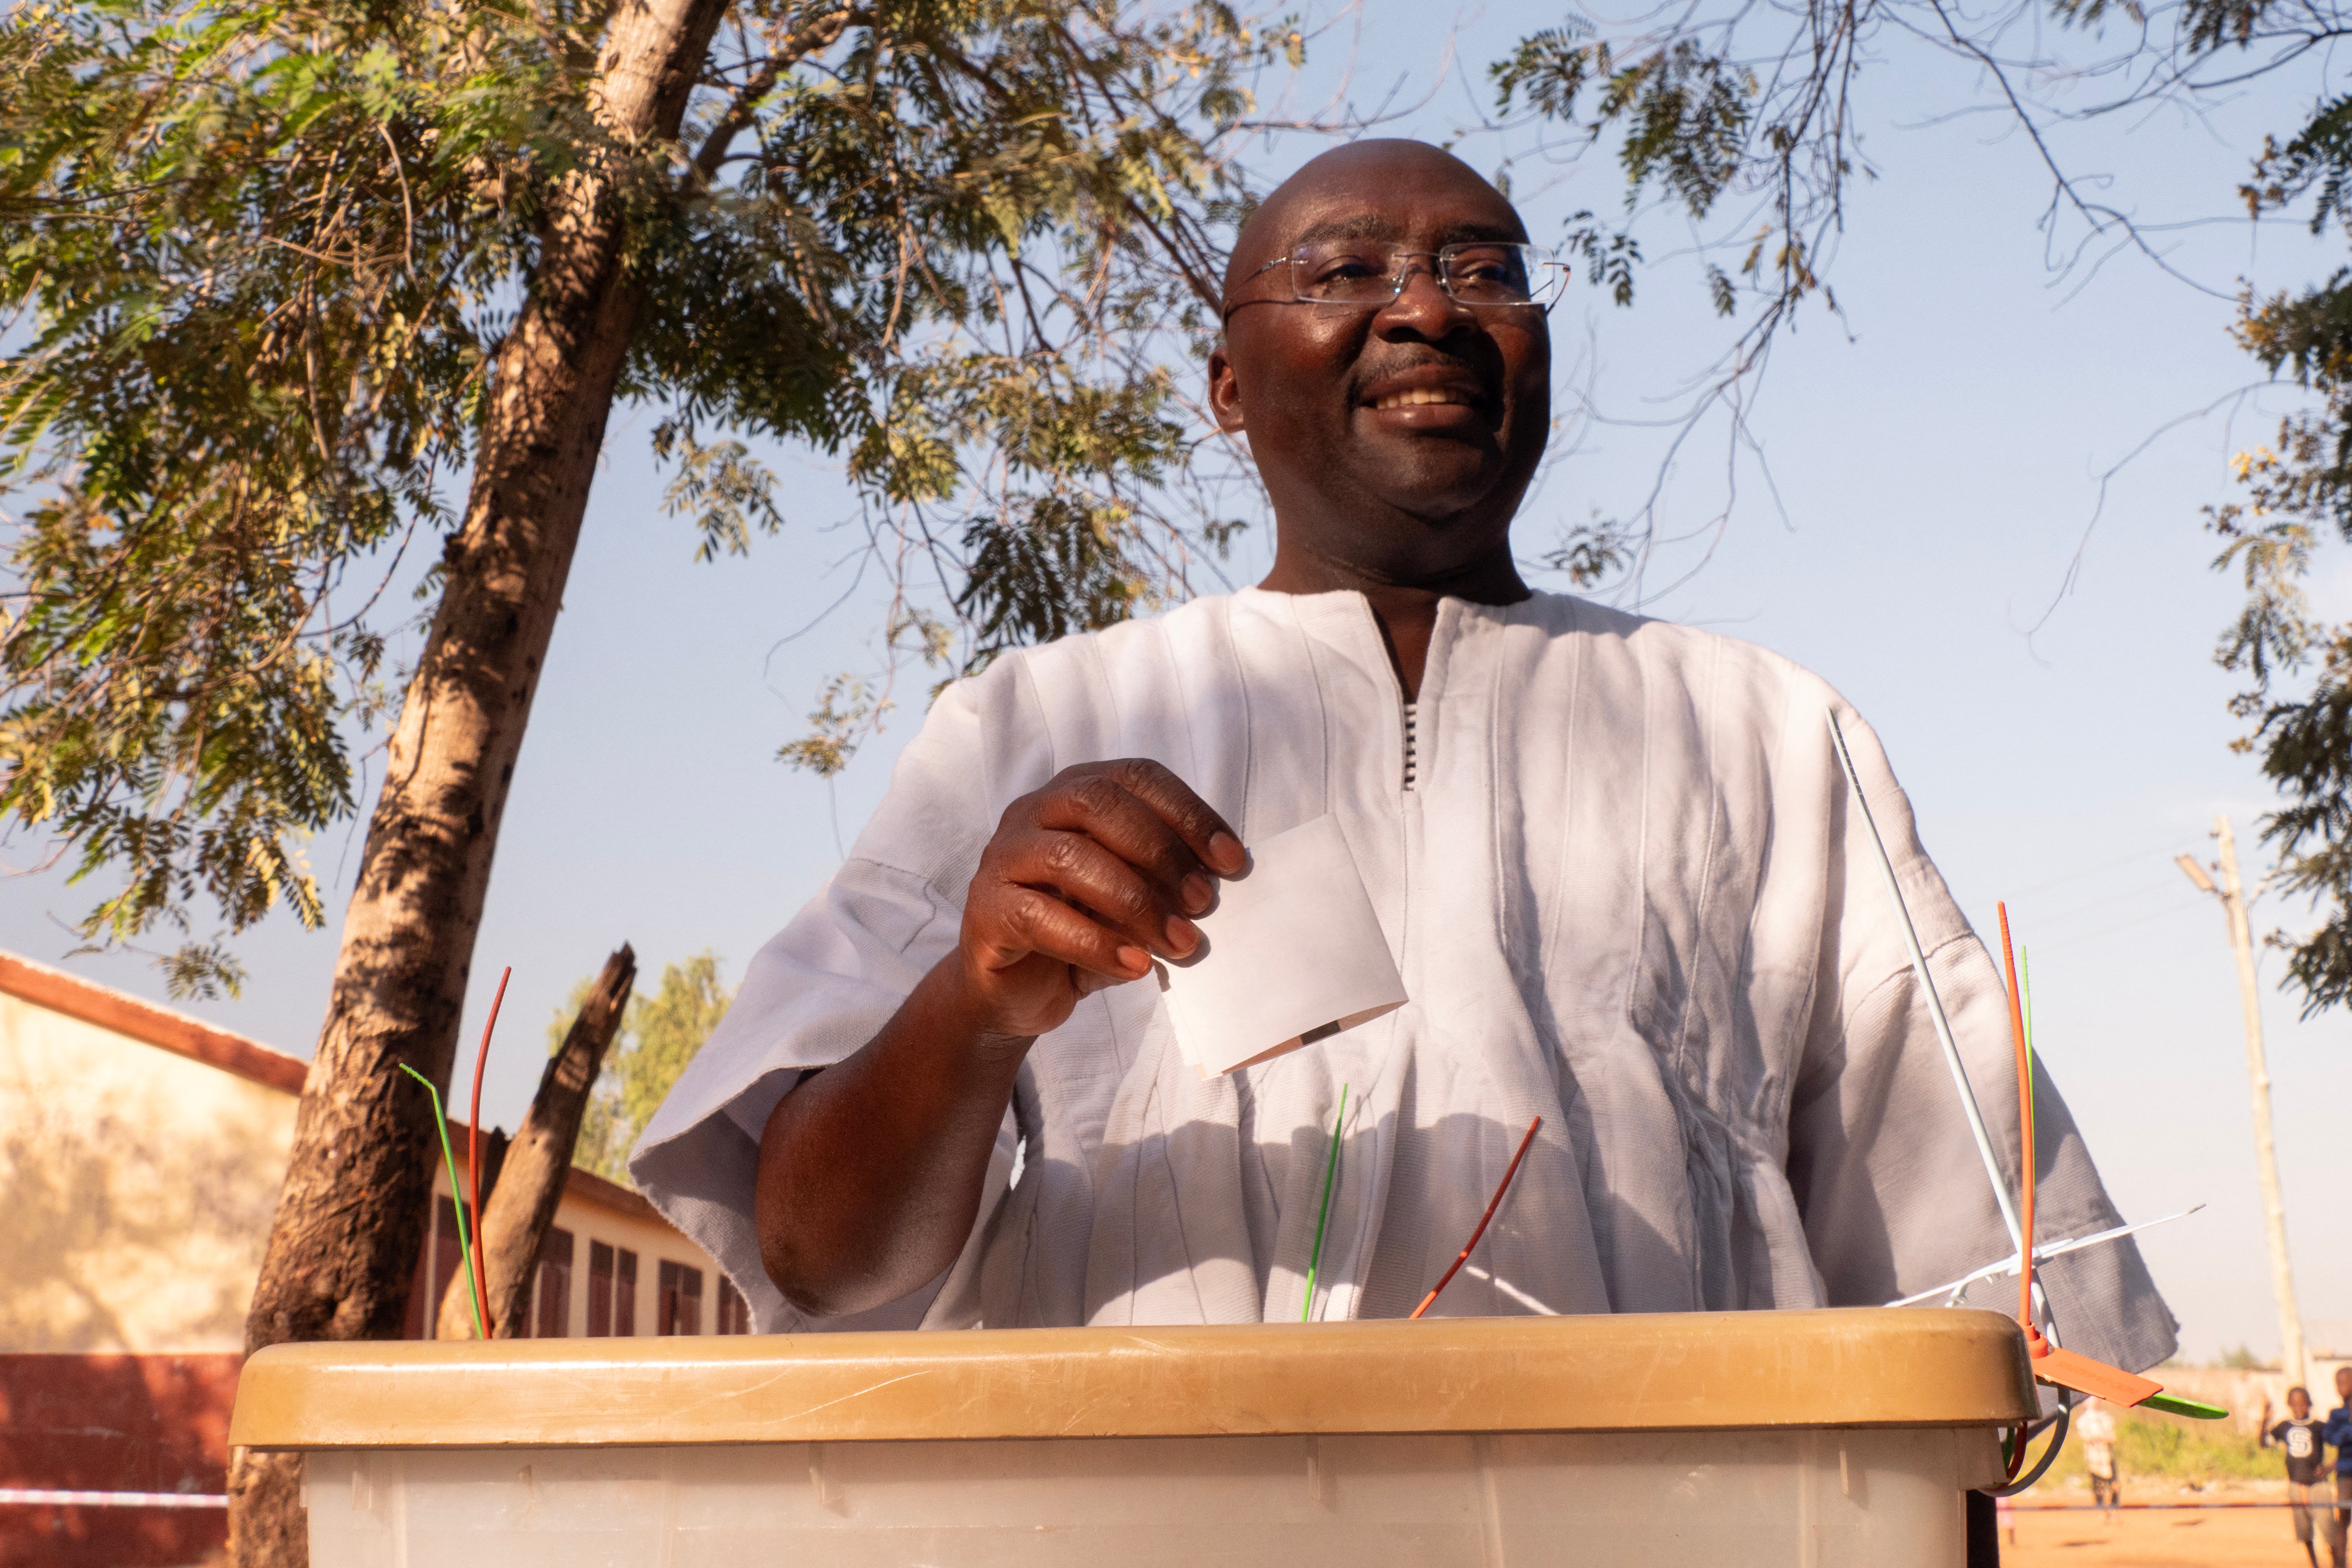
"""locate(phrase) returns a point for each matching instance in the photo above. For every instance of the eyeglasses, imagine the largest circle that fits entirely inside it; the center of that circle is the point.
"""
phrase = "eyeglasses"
(1369, 274)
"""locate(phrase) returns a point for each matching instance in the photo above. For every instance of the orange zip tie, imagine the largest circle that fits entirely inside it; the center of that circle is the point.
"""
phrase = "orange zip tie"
(2051, 1363)
(1493, 1204)
(2025, 1124)
(2025, 1164)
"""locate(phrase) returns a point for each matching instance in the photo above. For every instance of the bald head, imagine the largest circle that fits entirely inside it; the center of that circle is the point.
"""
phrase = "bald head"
(1397, 424)
(1362, 168)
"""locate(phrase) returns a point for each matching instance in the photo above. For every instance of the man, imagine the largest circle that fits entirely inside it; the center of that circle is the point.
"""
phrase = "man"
(1615, 862)
(2337, 1434)
(2096, 1427)
(2304, 1440)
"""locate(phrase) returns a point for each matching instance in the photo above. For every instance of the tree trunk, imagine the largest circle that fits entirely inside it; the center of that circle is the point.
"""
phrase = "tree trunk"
(521, 1205)
(344, 1245)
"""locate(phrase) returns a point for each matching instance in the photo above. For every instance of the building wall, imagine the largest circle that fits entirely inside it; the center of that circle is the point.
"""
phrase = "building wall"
(620, 1220)
(113, 1422)
(139, 1186)
(141, 1155)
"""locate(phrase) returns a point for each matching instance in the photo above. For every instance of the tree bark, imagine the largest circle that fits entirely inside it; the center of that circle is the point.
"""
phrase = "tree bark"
(521, 1204)
(344, 1245)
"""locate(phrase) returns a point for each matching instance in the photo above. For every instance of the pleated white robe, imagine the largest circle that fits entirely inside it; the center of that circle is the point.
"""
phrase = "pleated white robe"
(1627, 891)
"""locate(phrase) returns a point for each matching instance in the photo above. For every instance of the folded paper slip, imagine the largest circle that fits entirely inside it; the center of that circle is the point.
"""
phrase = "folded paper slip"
(1292, 953)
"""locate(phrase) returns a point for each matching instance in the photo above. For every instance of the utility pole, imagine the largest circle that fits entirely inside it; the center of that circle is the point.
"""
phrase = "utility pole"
(2232, 894)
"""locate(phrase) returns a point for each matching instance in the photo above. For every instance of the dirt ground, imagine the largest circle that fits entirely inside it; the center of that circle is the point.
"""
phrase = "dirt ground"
(2218, 1537)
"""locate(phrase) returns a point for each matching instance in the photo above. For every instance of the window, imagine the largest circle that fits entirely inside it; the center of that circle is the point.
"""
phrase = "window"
(677, 1303)
(555, 1285)
(600, 1290)
(612, 1290)
(440, 1265)
(625, 1293)
(734, 1313)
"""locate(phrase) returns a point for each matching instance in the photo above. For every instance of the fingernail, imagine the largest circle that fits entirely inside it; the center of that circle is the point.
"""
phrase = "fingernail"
(1197, 894)
(1183, 934)
(1134, 957)
(1225, 850)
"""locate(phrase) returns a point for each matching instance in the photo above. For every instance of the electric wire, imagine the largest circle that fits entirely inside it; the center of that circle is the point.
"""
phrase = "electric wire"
(2049, 1456)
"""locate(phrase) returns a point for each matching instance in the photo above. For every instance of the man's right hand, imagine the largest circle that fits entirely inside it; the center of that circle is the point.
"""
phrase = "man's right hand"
(1085, 881)
(871, 1171)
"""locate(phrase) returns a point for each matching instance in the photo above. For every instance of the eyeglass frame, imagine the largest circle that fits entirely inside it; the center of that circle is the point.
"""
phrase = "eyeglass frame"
(1404, 274)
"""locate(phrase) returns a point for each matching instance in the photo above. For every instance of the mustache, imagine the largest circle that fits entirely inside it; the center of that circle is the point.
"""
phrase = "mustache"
(1485, 369)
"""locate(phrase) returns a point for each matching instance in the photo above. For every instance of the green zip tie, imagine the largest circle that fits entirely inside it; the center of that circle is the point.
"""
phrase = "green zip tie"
(1330, 1169)
(2173, 1404)
(456, 1199)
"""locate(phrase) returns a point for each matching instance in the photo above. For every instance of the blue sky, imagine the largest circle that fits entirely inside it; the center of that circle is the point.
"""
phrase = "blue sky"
(1936, 456)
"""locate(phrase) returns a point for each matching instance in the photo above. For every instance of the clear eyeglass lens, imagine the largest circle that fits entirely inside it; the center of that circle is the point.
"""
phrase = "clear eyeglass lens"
(1345, 272)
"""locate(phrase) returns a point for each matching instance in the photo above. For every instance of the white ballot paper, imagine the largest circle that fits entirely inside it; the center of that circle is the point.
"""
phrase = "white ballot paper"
(1292, 953)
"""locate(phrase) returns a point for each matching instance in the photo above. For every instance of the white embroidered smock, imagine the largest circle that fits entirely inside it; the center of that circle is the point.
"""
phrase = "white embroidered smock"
(1626, 890)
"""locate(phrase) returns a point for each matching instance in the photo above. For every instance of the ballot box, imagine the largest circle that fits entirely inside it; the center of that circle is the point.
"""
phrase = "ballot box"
(1828, 1437)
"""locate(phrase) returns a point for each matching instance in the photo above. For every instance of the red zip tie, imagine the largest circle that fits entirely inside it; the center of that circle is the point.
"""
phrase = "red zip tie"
(474, 1142)
(1493, 1204)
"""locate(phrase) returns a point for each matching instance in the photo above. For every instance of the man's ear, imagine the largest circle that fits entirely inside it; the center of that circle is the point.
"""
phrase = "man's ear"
(1224, 393)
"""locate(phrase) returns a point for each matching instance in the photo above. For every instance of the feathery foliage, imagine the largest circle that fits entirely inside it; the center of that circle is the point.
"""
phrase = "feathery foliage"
(2296, 491)
(259, 259)
(658, 1037)
(1753, 115)
(1753, 112)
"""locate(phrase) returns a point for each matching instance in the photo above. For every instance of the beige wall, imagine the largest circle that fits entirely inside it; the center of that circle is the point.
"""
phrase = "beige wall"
(137, 1180)
(136, 1188)
(2324, 1369)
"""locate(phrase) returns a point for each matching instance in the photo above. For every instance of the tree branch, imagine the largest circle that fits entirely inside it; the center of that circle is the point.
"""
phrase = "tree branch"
(794, 47)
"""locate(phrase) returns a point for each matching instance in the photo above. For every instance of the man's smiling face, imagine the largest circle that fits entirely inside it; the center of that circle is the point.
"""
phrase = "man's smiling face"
(1399, 438)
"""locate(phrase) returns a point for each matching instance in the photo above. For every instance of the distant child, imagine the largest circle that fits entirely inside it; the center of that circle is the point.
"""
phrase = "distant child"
(2096, 1427)
(2337, 1433)
(2305, 1441)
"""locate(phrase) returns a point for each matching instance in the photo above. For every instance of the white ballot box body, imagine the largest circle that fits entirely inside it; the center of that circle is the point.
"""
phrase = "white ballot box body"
(1812, 1438)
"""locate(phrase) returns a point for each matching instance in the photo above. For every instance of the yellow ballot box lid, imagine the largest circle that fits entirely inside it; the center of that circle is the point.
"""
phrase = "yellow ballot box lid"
(1661, 1371)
